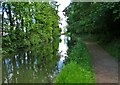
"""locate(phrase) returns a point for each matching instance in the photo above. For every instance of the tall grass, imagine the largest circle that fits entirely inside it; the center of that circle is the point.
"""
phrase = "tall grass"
(78, 68)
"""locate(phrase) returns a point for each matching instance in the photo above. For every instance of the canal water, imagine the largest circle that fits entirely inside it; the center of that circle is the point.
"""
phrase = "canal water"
(29, 66)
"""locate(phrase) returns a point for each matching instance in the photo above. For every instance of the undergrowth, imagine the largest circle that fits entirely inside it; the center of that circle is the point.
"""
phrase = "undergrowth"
(78, 68)
(113, 48)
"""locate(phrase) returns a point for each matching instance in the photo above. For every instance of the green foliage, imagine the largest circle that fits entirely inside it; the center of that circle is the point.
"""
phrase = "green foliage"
(30, 24)
(74, 73)
(101, 20)
(32, 31)
(80, 54)
(95, 18)
(113, 48)
(78, 68)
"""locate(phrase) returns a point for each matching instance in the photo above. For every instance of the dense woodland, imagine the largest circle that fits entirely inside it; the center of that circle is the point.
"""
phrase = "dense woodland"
(99, 21)
(30, 24)
(30, 39)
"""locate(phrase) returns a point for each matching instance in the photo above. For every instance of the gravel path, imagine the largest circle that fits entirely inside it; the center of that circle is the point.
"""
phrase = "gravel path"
(105, 66)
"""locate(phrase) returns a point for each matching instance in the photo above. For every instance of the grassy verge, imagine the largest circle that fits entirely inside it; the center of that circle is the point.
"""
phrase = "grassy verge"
(113, 48)
(78, 68)
(88, 37)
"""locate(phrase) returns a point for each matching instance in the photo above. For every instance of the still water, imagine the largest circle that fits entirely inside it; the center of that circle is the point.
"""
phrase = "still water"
(26, 66)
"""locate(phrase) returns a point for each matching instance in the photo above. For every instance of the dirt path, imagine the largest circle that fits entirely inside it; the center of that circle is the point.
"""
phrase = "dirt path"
(105, 66)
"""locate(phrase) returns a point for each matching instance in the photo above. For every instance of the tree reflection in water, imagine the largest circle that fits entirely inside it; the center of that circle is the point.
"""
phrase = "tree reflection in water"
(29, 67)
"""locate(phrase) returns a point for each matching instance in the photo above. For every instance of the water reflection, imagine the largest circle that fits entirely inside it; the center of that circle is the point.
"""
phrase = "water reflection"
(34, 65)
(62, 51)
(27, 67)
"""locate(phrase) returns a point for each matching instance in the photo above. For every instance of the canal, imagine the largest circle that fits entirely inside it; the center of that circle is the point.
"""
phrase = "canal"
(30, 66)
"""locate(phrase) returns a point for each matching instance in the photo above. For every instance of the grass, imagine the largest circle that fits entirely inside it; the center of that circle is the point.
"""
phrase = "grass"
(88, 37)
(78, 68)
(113, 48)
